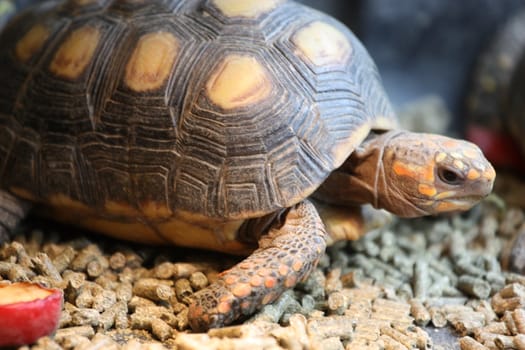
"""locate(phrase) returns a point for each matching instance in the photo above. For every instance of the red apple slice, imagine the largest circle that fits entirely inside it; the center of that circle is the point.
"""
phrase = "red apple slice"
(28, 311)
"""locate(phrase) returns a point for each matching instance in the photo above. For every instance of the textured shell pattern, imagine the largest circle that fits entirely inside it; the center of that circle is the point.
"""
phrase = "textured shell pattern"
(131, 102)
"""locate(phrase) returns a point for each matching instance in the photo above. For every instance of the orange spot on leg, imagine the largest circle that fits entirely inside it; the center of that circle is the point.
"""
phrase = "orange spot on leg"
(270, 282)
(246, 305)
(290, 281)
(230, 280)
(224, 307)
(246, 265)
(297, 265)
(242, 290)
(256, 281)
(263, 272)
(283, 270)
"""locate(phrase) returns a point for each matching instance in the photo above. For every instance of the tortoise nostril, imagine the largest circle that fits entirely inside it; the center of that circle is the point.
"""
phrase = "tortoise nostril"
(450, 176)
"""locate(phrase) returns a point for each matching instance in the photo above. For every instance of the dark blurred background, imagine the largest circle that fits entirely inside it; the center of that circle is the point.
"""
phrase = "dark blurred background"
(421, 47)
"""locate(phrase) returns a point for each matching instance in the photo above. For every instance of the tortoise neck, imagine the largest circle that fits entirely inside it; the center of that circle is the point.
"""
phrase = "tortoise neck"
(361, 179)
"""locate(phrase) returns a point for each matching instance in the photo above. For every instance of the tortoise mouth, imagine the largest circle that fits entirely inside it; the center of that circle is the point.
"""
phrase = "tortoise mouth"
(462, 203)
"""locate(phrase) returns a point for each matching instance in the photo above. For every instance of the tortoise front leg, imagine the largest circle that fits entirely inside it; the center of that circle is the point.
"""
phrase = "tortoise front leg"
(286, 256)
(12, 210)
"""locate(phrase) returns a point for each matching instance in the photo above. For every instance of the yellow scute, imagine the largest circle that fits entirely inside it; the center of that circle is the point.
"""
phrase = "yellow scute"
(151, 61)
(31, 42)
(245, 8)
(238, 81)
(322, 44)
(75, 53)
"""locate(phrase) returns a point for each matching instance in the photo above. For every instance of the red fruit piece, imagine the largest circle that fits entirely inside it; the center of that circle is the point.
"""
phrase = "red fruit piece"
(27, 312)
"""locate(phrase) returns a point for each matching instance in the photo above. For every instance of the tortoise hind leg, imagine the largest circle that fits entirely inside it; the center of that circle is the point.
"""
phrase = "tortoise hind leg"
(286, 255)
(12, 210)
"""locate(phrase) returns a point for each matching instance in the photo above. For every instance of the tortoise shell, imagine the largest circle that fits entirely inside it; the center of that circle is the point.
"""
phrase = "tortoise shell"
(213, 111)
(494, 102)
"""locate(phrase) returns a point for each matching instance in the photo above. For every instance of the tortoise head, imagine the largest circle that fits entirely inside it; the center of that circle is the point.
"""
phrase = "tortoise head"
(412, 174)
(427, 174)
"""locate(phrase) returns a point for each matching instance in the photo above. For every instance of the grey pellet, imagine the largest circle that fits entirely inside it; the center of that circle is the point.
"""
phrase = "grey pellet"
(474, 286)
(421, 280)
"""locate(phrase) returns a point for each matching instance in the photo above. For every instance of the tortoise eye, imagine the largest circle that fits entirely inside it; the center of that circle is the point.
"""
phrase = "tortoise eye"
(450, 176)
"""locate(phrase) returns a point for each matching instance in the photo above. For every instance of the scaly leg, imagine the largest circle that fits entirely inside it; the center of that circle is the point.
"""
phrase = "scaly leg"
(12, 210)
(286, 256)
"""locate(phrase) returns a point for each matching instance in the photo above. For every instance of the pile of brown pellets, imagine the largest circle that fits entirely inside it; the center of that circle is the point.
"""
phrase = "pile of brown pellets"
(425, 284)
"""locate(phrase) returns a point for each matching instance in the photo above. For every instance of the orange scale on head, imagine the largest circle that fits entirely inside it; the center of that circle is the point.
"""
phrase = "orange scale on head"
(428, 173)
(441, 156)
(473, 174)
(459, 164)
(490, 173)
(403, 169)
(446, 206)
(427, 190)
(456, 155)
(451, 143)
(471, 153)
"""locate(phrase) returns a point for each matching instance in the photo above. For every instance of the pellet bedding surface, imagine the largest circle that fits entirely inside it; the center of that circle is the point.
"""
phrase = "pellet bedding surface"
(390, 290)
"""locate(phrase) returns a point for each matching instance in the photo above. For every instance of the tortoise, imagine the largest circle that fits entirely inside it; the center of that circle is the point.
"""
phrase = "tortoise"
(495, 96)
(242, 126)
